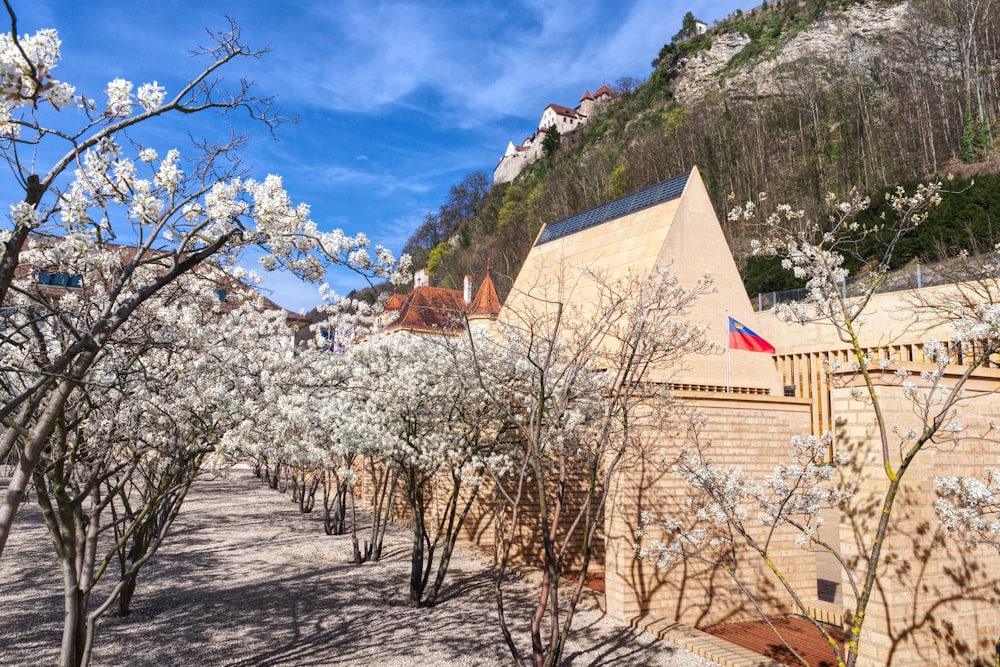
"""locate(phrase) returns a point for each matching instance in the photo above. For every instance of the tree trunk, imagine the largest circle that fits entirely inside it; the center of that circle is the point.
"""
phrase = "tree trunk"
(334, 505)
(39, 436)
(306, 490)
(272, 474)
(74, 637)
(140, 545)
(383, 490)
(453, 522)
(420, 550)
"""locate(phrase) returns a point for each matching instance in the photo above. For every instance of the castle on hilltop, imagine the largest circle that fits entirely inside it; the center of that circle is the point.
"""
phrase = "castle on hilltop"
(563, 119)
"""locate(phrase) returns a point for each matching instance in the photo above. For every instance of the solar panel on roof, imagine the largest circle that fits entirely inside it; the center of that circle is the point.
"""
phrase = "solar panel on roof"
(654, 194)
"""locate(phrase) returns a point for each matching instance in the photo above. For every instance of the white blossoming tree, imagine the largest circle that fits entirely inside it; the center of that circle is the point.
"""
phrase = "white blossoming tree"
(732, 521)
(427, 417)
(132, 438)
(576, 382)
(359, 432)
(345, 323)
(969, 507)
(121, 222)
(287, 422)
(291, 404)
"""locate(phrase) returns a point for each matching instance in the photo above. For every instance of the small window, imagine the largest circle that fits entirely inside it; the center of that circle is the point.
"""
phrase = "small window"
(59, 279)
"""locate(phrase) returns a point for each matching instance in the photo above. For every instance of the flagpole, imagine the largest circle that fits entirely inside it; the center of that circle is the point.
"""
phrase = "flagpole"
(728, 386)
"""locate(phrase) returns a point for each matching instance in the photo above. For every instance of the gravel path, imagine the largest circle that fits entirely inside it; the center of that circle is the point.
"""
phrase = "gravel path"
(245, 580)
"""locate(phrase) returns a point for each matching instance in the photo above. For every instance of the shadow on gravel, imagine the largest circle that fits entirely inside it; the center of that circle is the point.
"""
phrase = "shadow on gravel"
(245, 580)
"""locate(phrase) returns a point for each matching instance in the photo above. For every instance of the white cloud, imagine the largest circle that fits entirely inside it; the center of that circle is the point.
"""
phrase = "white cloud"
(359, 57)
(397, 98)
(483, 61)
(394, 233)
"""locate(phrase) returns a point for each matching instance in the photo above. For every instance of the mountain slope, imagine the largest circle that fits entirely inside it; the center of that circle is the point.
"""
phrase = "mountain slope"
(797, 98)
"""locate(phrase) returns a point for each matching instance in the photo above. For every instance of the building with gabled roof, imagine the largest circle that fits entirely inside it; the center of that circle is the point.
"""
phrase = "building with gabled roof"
(485, 308)
(430, 310)
(395, 302)
(439, 311)
(670, 225)
(486, 303)
(564, 119)
(594, 103)
(604, 92)
(936, 601)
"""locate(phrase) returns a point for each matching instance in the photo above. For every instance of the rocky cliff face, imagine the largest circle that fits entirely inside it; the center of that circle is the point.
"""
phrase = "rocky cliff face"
(857, 38)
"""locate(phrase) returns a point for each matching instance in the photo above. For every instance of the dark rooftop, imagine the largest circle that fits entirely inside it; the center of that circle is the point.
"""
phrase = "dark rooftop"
(654, 194)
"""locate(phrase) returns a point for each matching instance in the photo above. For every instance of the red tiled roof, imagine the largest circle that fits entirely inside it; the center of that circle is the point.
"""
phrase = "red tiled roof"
(395, 302)
(563, 111)
(604, 90)
(486, 302)
(431, 309)
(587, 96)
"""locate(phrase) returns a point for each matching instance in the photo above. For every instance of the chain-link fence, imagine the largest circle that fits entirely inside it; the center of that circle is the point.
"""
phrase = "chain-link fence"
(910, 277)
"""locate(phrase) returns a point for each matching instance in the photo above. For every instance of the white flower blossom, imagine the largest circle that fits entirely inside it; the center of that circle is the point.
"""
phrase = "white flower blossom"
(168, 176)
(150, 95)
(119, 92)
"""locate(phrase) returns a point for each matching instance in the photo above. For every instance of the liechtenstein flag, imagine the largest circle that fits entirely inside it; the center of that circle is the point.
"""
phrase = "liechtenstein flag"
(741, 338)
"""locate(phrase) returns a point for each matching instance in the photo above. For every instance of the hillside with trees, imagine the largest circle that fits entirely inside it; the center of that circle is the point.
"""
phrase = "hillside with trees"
(795, 98)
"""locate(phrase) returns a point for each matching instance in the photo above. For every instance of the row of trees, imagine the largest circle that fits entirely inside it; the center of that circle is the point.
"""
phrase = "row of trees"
(115, 393)
(130, 441)
(513, 433)
(535, 420)
(118, 371)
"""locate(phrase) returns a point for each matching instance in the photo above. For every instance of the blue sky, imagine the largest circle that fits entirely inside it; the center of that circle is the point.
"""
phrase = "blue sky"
(395, 101)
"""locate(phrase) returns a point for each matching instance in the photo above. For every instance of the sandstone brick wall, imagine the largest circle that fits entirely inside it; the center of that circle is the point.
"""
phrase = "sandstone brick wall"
(753, 434)
(936, 602)
(480, 522)
(527, 547)
(487, 524)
